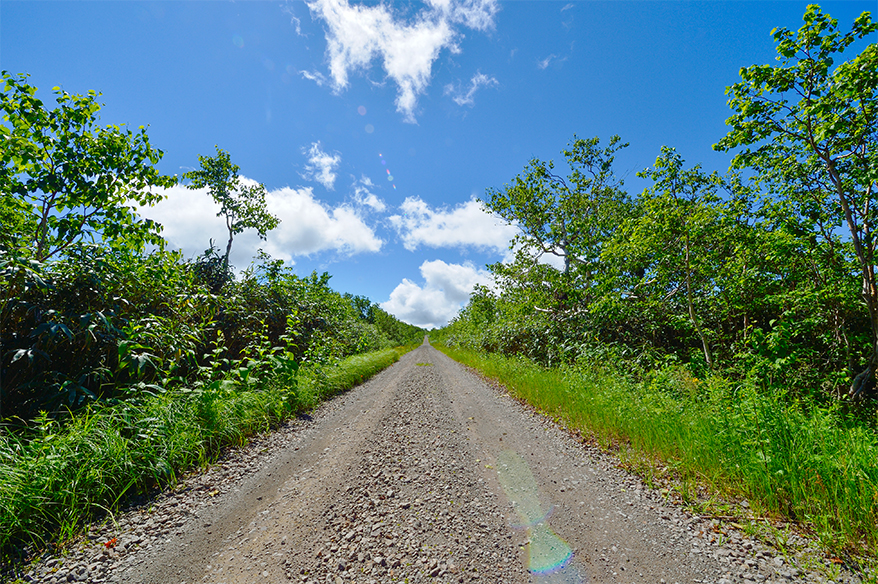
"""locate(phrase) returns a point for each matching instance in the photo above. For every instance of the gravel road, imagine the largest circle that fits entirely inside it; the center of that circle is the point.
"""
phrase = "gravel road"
(423, 474)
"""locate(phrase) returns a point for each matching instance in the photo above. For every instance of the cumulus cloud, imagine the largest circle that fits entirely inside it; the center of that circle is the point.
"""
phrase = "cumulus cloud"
(464, 225)
(446, 287)
(478, 80)
(307, 226)
(358, 34)
(321, 166)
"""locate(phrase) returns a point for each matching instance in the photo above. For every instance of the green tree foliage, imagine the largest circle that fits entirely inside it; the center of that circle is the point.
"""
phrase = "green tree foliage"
(765, 278)
(242, 206)
(813, 129)
(64, 179)
(675, 245)
(567, 217)
(86, 314)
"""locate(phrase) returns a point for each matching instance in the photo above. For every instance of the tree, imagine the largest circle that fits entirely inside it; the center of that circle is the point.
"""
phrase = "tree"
(676, 242)
(64, 179)
(814, 132)
(243, 207)
(568, 218)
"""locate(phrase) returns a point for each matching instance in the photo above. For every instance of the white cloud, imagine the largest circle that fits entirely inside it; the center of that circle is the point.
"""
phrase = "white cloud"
(464, 225)
(366, 198)
(545, 62)
(553, 58)
(315, 76)
(294, 20)
(321, 166)
(307, 225)
(478, 80)
(358, 34)
(446, 287)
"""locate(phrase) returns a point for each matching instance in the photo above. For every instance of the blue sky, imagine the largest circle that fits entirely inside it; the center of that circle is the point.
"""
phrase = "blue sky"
(319, 100)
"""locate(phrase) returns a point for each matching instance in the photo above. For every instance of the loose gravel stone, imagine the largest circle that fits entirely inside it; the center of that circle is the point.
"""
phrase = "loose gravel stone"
(423, 474)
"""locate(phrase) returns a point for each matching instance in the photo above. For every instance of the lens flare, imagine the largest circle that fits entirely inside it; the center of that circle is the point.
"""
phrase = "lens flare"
(548, 555)
(238, 41)
(361, 110)
(387, 170)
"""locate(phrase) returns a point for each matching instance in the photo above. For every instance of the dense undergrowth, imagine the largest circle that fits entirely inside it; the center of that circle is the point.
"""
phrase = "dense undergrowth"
(792, 460)
(57, 475)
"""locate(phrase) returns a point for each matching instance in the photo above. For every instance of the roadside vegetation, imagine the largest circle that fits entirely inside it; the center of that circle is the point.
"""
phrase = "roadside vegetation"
(122, 363)
(723, 326)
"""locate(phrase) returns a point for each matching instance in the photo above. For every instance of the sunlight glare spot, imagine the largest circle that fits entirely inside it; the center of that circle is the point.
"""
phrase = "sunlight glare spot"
(547, 553)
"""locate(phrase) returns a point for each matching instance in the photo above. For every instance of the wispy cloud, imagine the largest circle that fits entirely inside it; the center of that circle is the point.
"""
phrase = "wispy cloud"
(465, 225)
(547, 61)
(478, 80)
(364, 197)
(321, 166)
(315, 76)
(357, 34)
(294, 20)
(446, 287)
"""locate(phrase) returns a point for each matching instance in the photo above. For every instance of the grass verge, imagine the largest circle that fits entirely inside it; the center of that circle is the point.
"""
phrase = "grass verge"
(320, 384)
(58, 475)
(801, 462)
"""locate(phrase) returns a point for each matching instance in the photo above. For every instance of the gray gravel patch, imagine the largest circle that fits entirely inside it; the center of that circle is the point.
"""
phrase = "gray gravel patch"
(423, 474)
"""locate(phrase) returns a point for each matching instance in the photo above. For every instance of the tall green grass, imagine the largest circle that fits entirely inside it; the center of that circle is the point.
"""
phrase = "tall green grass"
(323, 383)
(58, 475)
(800, 461)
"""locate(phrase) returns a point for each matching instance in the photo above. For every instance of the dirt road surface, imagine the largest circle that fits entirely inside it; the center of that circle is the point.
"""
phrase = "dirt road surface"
(423, 474)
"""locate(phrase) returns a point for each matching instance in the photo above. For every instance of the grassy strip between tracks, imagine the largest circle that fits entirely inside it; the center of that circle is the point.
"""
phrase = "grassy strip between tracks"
(791, 461)
(61, 474)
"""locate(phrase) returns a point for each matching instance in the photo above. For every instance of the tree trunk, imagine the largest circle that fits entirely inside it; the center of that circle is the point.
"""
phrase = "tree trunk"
(865, 254)
(864, 382)
(707, 356)
(228, 245)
